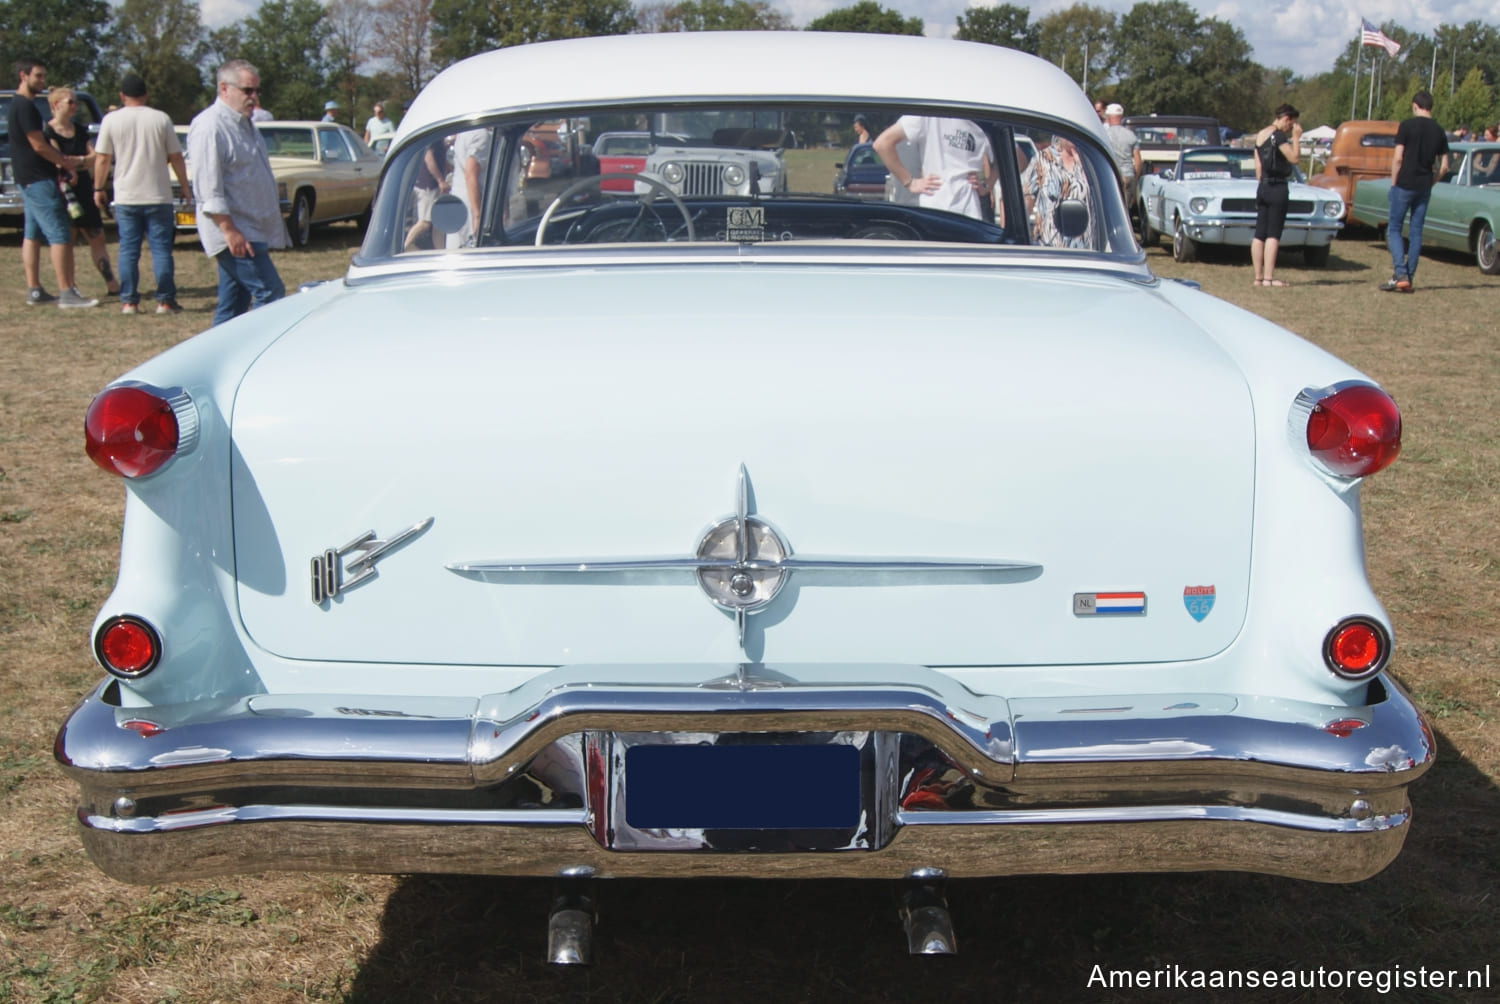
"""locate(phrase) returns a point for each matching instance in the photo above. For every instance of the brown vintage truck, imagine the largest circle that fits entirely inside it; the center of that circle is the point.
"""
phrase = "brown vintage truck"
(1362, 149)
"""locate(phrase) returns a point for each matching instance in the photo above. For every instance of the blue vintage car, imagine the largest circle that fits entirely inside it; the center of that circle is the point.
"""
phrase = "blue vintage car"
(1464, 211)
(766, 535)
(1208, 197)
(862, 174)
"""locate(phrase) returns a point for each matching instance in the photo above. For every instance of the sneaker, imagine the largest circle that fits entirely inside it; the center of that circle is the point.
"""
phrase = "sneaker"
(38, 296)
(1391, 285)
(70, 297)
(168, 307)
(1403, 285)
(130, 308)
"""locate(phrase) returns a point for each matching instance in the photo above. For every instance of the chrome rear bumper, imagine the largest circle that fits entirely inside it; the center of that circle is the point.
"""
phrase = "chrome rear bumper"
(533, 782)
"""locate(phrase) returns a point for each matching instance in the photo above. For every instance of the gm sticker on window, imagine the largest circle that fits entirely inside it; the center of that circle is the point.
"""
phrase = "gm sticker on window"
(746, 223)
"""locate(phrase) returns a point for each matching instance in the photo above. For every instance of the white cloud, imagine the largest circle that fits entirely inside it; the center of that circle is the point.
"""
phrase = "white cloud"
(218, 13)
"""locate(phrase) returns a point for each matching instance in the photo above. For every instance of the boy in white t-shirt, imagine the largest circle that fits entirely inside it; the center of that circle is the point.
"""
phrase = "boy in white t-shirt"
(958, 166)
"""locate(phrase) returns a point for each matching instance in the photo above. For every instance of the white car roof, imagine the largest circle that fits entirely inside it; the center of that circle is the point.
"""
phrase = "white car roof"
(750, 65)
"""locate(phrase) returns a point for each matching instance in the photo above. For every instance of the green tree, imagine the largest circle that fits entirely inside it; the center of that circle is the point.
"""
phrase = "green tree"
(462, 28)
(1006, 25)
(1472, 103)
(1171, 61)
(67, 37)
(1065, 36)
(163, 41)
(869, 17)
(286, 40)
(713, 15)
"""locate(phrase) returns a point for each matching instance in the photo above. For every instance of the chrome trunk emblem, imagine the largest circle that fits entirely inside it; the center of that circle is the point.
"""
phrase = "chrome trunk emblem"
(741, 562)
(329, 571)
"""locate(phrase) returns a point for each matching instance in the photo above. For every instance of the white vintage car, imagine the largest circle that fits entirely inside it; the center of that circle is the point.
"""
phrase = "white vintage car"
(745, 535)
(1208, 197)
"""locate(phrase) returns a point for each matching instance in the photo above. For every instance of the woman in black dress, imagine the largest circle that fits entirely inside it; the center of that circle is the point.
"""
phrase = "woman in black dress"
(72, 141)
(1276, 151)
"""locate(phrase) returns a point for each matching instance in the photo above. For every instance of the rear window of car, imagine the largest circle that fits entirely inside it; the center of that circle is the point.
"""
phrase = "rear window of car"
(1378, 139)
(283, 141)
(622, 146)
(745, 174)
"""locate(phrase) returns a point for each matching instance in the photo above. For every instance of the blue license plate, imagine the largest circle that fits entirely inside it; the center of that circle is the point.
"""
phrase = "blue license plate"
(742, 787)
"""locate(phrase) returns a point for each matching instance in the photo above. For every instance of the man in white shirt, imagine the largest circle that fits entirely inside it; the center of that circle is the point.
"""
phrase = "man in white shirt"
(140, 143)
(239, 212)
(378, 125)
(1125, 147)
(958, 166)
(471, 163)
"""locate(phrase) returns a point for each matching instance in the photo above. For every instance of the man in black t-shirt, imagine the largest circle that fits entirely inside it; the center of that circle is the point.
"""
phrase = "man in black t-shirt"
(1421, 160)
(37, 165)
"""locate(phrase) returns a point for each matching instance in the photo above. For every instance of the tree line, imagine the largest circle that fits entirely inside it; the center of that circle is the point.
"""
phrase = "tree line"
(1160, 56)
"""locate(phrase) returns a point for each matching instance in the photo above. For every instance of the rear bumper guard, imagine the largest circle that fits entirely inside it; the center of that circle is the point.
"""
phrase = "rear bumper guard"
(532, 782)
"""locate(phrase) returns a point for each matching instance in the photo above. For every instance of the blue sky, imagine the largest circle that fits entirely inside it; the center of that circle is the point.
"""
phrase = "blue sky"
(1305, 35)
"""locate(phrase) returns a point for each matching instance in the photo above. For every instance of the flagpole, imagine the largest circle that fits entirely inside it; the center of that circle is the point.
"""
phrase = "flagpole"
(1354, 96)
(1432, 77)
(1370, 97)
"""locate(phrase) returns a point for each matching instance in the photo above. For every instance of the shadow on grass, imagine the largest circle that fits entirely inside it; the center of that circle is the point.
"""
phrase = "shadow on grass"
(470, 939)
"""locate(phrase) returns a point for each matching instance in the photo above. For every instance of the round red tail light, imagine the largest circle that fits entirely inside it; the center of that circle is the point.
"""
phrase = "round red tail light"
(1353, 430)
(1357, 648)
(133, 430)
(127, 646)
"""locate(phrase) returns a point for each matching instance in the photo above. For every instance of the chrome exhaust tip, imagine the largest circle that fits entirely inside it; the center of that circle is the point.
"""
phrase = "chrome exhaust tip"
(570, 925)
(924, 914)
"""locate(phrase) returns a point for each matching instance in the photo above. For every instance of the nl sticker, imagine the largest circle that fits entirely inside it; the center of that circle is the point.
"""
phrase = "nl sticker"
(1090, 604)
(1199, 600)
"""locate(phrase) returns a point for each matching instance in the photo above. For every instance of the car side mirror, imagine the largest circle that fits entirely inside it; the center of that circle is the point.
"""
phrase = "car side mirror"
(1072, 218)
(449, 214)
(1168, 173)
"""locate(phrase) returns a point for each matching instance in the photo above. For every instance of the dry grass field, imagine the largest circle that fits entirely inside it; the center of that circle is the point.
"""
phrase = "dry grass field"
(69, 933)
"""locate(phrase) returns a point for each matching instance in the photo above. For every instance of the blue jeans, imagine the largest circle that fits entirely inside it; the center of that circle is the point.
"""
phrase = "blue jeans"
(46, 213)
(246, 283)
(159, 226)
(1399, 200)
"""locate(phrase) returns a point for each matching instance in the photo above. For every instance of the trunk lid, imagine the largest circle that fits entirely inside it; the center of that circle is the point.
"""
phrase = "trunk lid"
(1077, 422)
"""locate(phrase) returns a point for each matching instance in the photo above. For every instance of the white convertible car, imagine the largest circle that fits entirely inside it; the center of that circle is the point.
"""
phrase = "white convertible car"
(746, 535)
(1208, 197)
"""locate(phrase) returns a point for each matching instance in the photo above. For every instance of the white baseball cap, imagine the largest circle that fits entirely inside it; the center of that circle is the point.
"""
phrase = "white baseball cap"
(1115, 110)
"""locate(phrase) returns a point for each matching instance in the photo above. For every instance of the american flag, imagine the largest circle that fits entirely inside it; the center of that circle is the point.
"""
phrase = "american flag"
(1371, 35)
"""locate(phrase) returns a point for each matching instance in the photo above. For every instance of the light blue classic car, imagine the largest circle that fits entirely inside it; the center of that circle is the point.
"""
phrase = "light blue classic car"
(755, 535)
(1464, 211)
(1208, 197)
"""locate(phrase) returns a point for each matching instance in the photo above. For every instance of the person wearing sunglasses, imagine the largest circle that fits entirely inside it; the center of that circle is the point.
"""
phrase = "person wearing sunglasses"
(71, 138)
(239, 214)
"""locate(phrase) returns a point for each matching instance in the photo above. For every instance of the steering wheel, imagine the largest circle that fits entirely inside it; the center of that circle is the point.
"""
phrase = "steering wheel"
(594, 180)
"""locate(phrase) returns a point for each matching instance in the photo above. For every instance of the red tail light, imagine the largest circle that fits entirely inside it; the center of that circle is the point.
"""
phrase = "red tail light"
(128, 647)
(1357, 648)
(1352, 429)
(133, 430)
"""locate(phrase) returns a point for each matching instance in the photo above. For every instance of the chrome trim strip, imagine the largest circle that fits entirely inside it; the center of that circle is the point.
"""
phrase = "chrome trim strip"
(946, 258)
(580, 817)
(674, 563)
(333, 813)
(1157, 814)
